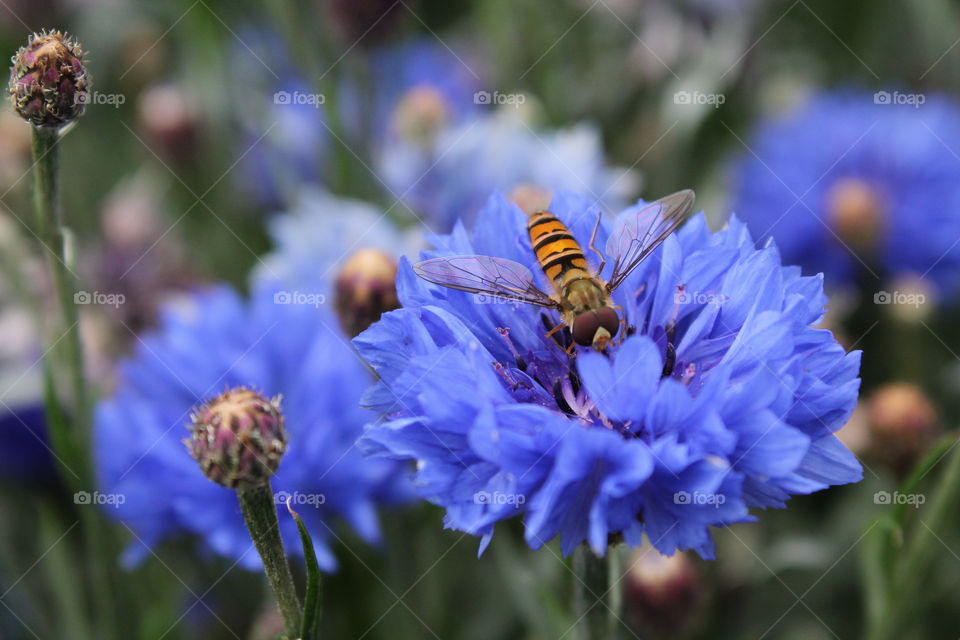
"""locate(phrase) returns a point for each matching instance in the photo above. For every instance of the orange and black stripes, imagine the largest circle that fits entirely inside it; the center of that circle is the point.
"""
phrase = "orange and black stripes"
(555, 247)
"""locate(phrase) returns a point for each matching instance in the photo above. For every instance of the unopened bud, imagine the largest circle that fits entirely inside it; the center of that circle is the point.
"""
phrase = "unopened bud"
(365, 289)
(662, 594)
(421, 114)
(855, 210)
(238, 438)
(903, 424)
(48, 82)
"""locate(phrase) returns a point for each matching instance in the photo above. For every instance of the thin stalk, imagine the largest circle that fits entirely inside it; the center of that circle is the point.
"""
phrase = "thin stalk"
(46, 199)
(260, 514)
(917, 558)
(594, 606)
(307, 49)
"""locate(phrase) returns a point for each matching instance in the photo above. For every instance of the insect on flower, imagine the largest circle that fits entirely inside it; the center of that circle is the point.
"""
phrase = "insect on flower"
(582, 298)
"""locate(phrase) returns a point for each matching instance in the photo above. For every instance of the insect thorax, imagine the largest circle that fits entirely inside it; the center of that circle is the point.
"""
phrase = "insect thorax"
(581, 292)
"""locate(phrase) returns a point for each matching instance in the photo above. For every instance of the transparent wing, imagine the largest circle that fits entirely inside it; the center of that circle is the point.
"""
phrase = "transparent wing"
(484, 274)
(643, 232)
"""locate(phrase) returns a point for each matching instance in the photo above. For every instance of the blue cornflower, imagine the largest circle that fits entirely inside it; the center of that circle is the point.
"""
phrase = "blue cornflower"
(723, 398)
(277, 343)
(287, 137)
(452, 176)
(319, 232)
(852, 184)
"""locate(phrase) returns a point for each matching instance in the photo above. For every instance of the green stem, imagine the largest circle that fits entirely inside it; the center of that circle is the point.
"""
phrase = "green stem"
(260, 514)
(46, 195)
(70, 438)
(593, 603)
(917, 558)
(295, 22)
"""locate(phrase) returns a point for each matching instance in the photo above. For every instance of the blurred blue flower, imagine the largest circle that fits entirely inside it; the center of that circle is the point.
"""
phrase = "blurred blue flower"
(287, 136)
(853, 179)
(26, 455)
(501, 422)
(452, 177)
(319, 231)
(279, 342)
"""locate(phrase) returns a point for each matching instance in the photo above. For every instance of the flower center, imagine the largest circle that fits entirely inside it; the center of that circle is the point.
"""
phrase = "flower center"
(856, 213)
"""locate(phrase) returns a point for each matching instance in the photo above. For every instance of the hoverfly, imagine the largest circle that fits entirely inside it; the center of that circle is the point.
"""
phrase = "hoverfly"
(580, 296)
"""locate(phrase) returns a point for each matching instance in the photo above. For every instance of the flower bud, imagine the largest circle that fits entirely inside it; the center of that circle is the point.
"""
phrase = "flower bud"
(903, 424)
(238, 438)
(662, 594)
(530, 197)
(421, 114)
(365, 289)
(855, 211)
(48, 81)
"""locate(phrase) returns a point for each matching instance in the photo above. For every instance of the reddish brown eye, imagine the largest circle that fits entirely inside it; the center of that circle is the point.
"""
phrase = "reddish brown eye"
(609, 320)
(585, 328)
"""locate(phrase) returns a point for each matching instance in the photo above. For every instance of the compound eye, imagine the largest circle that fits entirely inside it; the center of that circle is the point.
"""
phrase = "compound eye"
(585, 328)
(609, 320)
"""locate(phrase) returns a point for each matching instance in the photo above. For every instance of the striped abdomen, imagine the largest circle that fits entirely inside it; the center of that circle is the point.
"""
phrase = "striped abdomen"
(556, 248)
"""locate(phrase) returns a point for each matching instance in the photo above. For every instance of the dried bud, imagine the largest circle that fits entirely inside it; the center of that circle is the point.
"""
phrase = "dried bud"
(663, 594)
(238, 438)
(903, 424)
(48, 81)
(421, 114)
(855, 209)
(365, 289)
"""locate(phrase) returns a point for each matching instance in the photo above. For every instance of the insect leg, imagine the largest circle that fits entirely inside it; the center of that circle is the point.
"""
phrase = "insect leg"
(593, 237)
(623, 324)
(555, 329)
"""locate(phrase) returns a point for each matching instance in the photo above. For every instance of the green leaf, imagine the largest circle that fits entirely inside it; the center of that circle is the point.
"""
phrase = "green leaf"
(311, 604)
